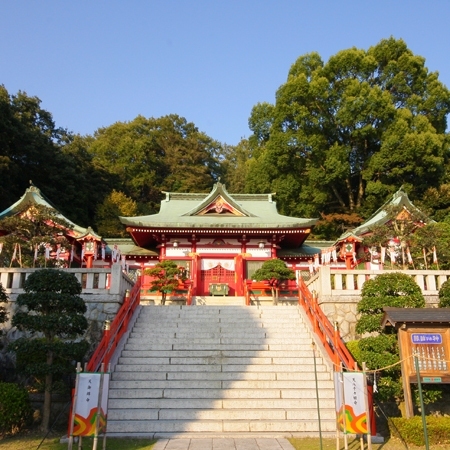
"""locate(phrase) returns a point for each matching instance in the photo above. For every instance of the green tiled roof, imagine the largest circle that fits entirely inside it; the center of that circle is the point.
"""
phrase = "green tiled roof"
(181, 211)
(33, 196)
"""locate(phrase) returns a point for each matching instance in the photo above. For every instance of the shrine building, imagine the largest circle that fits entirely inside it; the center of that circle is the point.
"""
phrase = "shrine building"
(219, 238)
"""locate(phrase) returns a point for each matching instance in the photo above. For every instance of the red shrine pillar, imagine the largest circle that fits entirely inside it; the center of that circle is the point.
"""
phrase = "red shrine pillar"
(273, 250)
(195, 272)
(162, 248)
(244, 241)
(239, 268)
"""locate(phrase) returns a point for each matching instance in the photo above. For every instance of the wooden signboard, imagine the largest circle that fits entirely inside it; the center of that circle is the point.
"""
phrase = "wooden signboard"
(423, 335)
(431, 346)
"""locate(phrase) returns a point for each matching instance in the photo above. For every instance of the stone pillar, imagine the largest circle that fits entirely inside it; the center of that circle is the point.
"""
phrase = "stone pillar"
(325, 280)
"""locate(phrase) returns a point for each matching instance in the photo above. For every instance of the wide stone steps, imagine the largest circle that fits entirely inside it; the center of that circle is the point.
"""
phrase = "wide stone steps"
(220, 414)
(220, 371)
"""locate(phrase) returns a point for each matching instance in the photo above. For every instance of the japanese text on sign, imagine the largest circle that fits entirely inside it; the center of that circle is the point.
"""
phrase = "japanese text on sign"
(426, 338)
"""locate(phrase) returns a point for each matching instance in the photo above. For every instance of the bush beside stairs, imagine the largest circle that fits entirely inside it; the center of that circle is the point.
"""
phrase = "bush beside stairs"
(221, 371)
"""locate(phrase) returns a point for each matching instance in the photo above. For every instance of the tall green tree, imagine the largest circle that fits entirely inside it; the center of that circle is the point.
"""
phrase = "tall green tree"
(235, 166)
(151, 155)
(274, 271)
(86, 184)
(29, 145)
(51, 313)
(33, 148)
(344, 134)
(115, 205)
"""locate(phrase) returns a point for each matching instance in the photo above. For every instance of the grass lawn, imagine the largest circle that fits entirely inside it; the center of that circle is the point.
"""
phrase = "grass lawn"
(31, 441)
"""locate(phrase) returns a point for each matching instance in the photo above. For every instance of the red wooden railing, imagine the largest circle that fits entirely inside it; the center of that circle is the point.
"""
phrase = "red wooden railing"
(327, 332)
(118, 327)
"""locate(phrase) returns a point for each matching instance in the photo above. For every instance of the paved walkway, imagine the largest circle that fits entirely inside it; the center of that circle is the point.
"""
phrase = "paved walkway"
(224, 444)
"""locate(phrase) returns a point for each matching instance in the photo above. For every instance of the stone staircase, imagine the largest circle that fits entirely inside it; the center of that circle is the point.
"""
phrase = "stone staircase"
(219, 371)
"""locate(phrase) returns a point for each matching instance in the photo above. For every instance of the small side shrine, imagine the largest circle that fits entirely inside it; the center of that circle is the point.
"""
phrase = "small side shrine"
(84, 243)
(423, 335)
(220, 239)
(350, 244)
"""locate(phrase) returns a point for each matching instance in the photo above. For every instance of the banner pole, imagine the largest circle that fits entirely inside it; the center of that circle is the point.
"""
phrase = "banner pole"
(72, 415)
(99, 407)
(344, 412)
(422, 406)
(317, 393)
(106, 410)
(366, 400)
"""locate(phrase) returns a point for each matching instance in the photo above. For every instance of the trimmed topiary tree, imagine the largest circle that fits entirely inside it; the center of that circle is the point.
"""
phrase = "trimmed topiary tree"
(274, 271)
(167, 276)
(51, 312)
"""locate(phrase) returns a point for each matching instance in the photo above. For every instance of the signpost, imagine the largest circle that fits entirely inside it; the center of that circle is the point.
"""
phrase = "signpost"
(424, 340)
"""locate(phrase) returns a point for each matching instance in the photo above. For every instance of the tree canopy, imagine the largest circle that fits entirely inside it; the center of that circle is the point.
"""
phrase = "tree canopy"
(152, 155)
(342, 135)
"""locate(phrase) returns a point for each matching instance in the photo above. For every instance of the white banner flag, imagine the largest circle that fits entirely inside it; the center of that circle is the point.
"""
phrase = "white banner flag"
(87, 402)
(350, 402)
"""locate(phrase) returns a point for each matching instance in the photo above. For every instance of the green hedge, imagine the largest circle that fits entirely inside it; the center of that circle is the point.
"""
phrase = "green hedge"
(15, 408)
(412, 432)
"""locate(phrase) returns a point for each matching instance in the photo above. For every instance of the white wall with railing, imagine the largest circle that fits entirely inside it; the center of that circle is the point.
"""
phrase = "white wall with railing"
(103, 291)
(339, 291)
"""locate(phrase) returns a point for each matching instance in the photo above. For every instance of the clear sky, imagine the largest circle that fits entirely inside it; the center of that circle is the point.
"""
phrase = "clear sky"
(96, 62)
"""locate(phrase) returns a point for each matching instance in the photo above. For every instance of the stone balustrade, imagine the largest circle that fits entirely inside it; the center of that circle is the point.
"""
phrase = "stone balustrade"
(339, 291)
(103, 291)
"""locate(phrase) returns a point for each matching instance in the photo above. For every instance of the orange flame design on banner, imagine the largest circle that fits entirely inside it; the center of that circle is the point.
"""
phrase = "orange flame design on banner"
(85, 426)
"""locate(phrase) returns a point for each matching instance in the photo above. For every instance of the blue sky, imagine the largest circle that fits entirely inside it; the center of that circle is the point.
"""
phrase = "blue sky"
(93, 63)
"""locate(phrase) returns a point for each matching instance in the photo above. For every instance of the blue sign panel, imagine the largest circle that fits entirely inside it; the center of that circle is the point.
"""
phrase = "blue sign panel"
(426, 338)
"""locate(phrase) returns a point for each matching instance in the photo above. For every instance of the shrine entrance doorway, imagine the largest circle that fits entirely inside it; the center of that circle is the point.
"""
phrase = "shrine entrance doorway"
(217, 277)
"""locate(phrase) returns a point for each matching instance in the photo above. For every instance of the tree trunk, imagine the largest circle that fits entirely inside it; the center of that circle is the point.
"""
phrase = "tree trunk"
(47, 396)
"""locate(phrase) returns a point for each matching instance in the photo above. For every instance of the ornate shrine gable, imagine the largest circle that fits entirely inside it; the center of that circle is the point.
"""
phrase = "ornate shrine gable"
(220, 206)
(219, 203)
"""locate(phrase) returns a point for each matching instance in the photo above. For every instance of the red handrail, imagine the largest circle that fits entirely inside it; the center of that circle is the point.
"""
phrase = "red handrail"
(119, 326)
(327, 333)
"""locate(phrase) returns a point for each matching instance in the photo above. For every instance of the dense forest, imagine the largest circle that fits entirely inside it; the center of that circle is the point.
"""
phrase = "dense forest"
(341, 137)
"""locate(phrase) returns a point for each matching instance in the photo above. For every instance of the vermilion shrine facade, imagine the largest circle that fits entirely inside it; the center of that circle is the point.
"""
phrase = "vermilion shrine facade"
(218, 238)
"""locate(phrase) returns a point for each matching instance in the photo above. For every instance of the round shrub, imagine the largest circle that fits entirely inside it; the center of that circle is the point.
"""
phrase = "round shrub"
(15, 408)
(444, 295)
